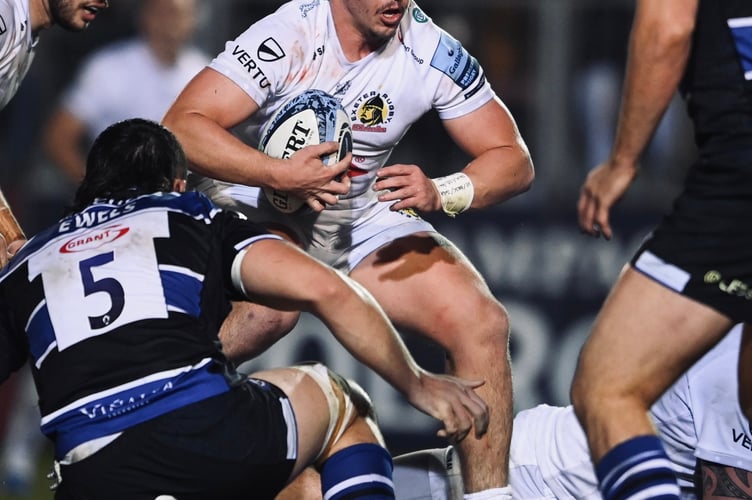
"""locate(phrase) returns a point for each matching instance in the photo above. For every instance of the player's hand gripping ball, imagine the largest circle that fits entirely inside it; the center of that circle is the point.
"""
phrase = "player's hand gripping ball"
(309, 118)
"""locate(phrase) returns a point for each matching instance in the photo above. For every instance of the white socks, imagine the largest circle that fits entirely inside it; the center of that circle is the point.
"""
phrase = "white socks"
(504, 493)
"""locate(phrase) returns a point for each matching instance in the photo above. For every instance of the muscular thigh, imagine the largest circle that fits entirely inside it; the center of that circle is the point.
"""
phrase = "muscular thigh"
(645, 336)
(423, 282)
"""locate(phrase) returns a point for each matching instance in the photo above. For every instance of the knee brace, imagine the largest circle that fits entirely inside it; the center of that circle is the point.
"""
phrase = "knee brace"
(346, 401)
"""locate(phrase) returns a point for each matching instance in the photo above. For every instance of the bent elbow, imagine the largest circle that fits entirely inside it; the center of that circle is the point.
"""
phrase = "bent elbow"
(526, 173)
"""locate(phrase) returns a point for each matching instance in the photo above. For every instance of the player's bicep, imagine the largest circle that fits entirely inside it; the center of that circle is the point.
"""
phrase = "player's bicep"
(215, 96)
(488, 127)
(278, 274)
(723, 482)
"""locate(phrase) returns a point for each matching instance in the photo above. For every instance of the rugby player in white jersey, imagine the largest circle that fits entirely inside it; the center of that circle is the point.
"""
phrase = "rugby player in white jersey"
(20, 24)
(389, 64)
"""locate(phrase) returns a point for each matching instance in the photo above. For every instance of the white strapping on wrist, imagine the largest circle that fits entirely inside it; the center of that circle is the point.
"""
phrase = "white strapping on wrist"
(456, 191)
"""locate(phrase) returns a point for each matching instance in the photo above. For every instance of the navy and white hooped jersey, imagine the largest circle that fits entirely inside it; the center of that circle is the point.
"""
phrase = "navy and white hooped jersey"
(16, 47)
(119, 308)
(296, 48)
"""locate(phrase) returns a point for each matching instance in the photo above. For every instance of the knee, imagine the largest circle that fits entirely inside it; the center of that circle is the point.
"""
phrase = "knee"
(482, 332)
(578, 395)
(352, 417)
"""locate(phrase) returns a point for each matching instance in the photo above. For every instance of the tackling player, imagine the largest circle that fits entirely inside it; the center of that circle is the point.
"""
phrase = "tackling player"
(117, 308)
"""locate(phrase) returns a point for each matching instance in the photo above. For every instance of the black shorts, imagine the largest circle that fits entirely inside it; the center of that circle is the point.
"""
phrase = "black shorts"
(234, 445)
(703, 250)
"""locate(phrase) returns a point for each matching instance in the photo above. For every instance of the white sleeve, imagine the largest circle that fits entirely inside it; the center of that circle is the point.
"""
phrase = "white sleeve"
(260, 60)
(463, 87)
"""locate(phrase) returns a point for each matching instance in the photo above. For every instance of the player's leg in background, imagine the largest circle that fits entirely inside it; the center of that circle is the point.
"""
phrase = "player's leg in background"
(644, 338)
(426, 285)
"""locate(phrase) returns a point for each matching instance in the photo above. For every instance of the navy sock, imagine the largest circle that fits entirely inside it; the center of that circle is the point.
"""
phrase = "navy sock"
(362, 471)
(637, 469)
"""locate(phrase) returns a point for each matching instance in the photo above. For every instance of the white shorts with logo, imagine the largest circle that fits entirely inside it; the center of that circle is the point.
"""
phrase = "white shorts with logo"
(340, 236)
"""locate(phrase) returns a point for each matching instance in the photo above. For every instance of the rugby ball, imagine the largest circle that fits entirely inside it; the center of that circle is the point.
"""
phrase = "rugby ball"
(309, 118)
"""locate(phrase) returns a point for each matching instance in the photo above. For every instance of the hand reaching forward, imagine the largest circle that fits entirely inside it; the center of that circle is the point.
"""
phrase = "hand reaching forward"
(454, 402)
(603, 187)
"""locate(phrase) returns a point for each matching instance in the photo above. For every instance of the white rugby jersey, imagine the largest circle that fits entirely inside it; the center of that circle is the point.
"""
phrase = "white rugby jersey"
(16, 47)
(420, 68)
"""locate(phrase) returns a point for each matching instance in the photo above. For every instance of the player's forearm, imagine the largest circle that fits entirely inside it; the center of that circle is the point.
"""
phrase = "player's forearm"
(500, 174)
(280, 275)
(214, 152)
(659, 48)
(361, 326)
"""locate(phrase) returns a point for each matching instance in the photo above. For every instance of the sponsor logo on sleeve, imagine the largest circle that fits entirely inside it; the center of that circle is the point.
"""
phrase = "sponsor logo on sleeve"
(270, 51)
(251, 66)
(454, 61)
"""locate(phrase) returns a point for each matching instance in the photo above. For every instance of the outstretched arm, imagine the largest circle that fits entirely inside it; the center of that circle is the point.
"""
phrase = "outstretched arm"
(658, 52)
(280, 275)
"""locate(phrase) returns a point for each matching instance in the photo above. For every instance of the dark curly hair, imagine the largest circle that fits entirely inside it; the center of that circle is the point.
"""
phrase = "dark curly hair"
(130, 158)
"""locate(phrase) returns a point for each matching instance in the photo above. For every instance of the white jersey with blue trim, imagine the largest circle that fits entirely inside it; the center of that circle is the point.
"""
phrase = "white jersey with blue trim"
(707, 395)
(118, 308)
(296, 48)
(16, 47)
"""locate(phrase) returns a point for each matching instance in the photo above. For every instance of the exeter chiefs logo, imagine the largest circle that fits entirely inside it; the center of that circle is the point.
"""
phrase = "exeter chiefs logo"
(373, 110)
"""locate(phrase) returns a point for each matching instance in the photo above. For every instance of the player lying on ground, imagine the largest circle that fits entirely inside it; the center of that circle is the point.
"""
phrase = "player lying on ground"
(117, 307)
(698, 419)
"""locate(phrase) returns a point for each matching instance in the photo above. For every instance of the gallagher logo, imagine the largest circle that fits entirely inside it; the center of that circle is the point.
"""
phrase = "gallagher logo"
(94, 239)
(372, 111)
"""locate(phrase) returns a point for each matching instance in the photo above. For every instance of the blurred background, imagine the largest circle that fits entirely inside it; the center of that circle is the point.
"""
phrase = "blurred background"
(557, 64)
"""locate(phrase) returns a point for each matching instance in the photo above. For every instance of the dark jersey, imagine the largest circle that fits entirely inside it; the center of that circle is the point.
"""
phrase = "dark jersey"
(717, 86)
(118, 307)
(701, 248)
